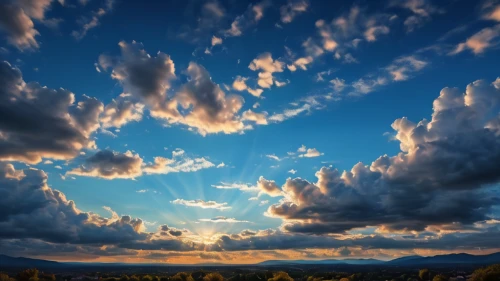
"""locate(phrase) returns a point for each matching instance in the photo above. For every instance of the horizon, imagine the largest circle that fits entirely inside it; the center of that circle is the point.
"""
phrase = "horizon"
(223, 131)
(237, 264)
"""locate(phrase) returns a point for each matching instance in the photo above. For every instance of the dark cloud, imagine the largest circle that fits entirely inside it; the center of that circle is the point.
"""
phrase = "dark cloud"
(16, 20)
(110, 165)
(18, 26)
(442, 175)
(145, 77)
(31, 209)
(38, 122)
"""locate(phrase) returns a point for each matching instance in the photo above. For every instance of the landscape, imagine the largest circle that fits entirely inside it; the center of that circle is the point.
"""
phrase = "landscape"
(250, 140)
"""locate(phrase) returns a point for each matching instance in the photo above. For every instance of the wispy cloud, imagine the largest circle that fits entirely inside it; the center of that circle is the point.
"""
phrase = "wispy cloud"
(202, 204)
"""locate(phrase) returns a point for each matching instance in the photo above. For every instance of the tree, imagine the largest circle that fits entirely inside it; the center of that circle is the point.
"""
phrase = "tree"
(281, 276)
(124, 277)
(424, 274)
(214, 276)
(440, 277)
(134, 278)
(146, 278)
(182, 276)
(490, 273)
(344, 279)
(28, 275)
(5, 277)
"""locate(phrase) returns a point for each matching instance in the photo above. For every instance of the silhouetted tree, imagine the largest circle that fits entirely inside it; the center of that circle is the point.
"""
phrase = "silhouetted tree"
(281, 276)
(182, 276)
(424, 274)
(124, 277)
(5, 277)
(440, 277)
(214, 276)
(490, 273)
(146, 278)
(28, 275)
(133, 278)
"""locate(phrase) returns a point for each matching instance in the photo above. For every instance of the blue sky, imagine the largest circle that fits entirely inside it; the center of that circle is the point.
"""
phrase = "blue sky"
(245, 95)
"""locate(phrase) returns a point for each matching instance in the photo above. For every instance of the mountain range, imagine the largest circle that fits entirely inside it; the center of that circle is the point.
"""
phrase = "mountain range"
(8, 261)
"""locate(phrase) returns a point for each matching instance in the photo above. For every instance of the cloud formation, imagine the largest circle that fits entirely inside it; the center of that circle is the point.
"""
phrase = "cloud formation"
(110, 165)
(202, 204)
(40, 122)
(292, 9)
(199, 104)
(407, 191)
(221, 219)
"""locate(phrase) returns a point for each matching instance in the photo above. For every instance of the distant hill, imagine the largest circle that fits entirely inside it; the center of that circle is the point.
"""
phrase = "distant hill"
(448, 259)
(7, 261)
(403, 261)
(459, 259)
(321, 262)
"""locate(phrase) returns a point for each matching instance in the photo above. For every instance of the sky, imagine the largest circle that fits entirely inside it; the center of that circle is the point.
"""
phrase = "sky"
(242, 131)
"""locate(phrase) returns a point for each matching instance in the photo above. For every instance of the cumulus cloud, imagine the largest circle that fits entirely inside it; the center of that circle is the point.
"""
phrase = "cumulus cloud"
(41, 122)
(145, 77)
(308, 152)
(292, 9)
(162, 165)
(311, 152)
(114, 165)
(202, 204)
(38, 218)
(292, 171)
(120, 112)
(424, 185)
(34, 210)
(211, 111)
(199, 104)
(239, 84)
(18, 26)
(268, 187)
(267, 66)
(110, 165)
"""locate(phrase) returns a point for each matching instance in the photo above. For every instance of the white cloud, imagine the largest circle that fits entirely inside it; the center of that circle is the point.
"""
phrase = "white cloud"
(274, 157)
(292, 9)
(292, 171)
(308, 152)
(479, 42)
(240, 186)
(202, 204)
(221, 219)
(216, 40)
